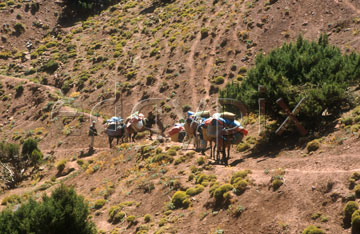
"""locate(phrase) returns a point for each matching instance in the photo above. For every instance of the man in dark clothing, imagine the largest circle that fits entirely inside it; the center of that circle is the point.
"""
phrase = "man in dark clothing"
(92, 134)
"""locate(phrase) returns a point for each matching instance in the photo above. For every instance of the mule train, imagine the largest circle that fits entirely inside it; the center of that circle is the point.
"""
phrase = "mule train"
(128, 129)
(220, 131)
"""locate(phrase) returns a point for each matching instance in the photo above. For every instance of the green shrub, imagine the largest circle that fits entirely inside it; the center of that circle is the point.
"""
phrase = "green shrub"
(131, 219)
(240, 186)
(221, 193)
(357, 190)
(239, 176)
(60, 166)
(19, 28)
(355, 176)
(242, 70)
(204, 32)
(315, 70)
(195, 190)
(219, 80)
(99, 203)
(180, 199)
(171, 152)
(29, 146)
(313, 230)
(116, 215)
(35, 157)
(19, 90)
(11, 199)
(242, 147)
(63, 212)
(313, 145)
(347, 121)
(355, 222)
(147, 218)
(162, 158)
(349, 209)
(186, 108)
(200, 161)
(276, 184)
(83, 8)
(162, 222)
(201, 179)
(5, 54)
(50, 66)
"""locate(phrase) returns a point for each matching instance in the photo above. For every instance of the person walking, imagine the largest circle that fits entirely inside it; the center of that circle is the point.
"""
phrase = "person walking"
(92, 134)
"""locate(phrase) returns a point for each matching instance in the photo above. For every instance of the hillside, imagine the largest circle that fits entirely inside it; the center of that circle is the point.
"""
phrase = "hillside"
(178, 55)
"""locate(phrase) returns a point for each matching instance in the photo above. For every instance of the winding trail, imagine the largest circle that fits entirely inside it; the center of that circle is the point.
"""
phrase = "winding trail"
(16, 79)
(191, 65)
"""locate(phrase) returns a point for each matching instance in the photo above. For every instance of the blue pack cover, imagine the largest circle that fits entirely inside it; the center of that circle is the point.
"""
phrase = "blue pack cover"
(190, 113)
(114, 119)
(228, 122)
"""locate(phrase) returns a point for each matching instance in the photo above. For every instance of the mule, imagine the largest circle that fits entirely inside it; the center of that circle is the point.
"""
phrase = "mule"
(115, 131)
(131, 130)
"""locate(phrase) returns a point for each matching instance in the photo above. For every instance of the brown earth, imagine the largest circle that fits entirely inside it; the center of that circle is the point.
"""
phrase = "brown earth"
(182, 71)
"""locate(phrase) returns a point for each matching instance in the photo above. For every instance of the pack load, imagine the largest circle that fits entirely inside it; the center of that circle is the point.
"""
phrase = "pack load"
(217, 125)
(114, 120)
(177, 133)
(227, 115)
(135, 120)
(202, 114)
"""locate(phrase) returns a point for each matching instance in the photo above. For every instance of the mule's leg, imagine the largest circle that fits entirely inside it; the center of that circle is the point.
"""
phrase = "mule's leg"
(133, 137)
(117, 140)
(110, 140)
(151, 132)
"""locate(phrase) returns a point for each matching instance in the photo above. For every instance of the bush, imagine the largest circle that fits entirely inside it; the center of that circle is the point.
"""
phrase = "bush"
(239, 176)
(162, 158)
(50, 66)
(204, 33)
(116, 215)
(29, 146)
(347, 121)
(131, 219)
(276, 184)
(195, 190)
(221, 193)
(349, 209)
(201, 179)
(19, 28)
(14, 164)
(99, 203)
(200, 161)
(186, 108)
(35, 157)
(241, 147)
(357, 190)
(19, 90)
(83, 8)
(11, 199)
(313, 230)
(63, 212)
(60, 166)
(240, 186)
(355, 222)
(180, 199)
(315, 70)
(219, 80)
(313, 145)
(147, 218)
